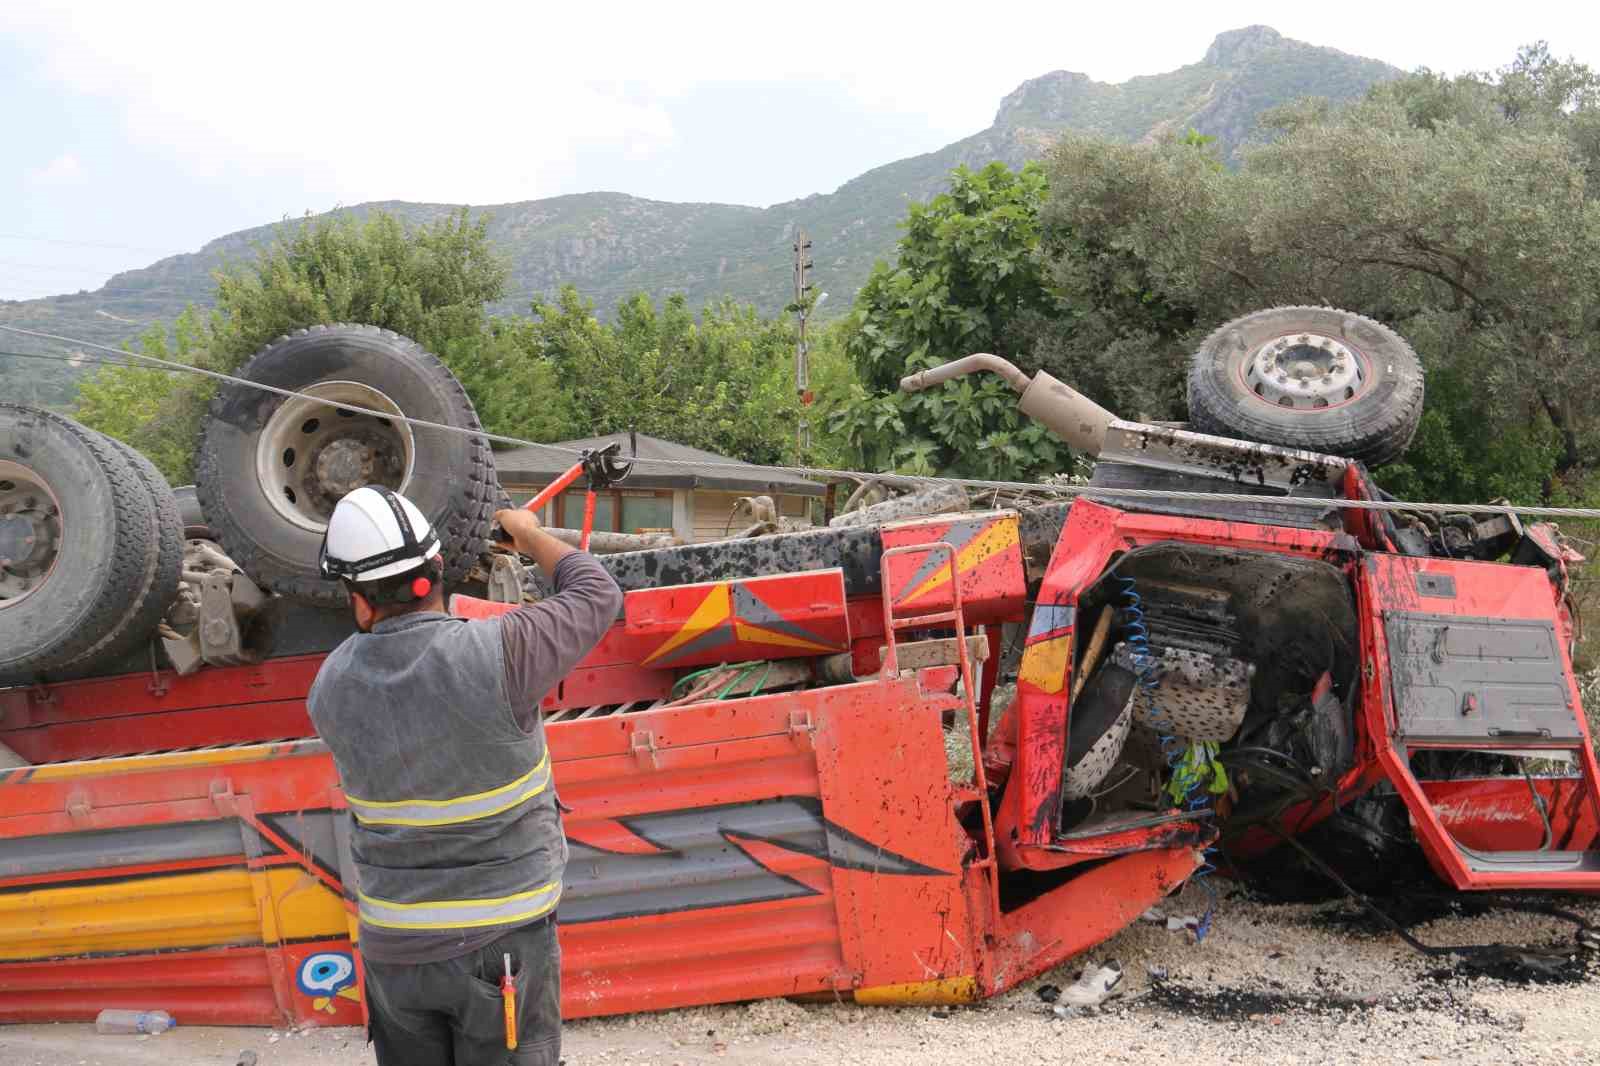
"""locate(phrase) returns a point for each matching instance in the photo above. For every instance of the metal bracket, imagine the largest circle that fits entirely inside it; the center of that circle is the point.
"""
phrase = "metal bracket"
(803, 729)
(643, 744)
(506, 578)
(79, 808)
(222, 797)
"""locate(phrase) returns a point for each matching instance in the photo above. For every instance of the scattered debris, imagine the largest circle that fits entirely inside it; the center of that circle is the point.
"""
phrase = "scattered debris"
(1094, 987)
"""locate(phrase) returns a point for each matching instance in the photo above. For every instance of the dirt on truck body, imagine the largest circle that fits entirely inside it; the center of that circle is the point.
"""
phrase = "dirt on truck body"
(758, 759)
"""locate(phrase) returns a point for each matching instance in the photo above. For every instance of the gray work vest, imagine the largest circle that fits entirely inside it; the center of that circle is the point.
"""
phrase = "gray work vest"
(455, 822)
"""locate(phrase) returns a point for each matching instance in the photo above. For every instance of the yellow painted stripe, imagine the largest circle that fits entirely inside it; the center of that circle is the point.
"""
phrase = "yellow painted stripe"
(538, 768)
(167, 760)
(714, 610)
(751, 635)
(178, 911)
(1001, 535)
(944, 990)
(1044, 664)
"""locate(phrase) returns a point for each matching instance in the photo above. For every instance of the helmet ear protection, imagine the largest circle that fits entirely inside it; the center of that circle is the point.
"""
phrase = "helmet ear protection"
(403, 589)
(425, 555)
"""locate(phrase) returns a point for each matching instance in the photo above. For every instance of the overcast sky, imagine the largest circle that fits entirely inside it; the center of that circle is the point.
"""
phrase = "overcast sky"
(129, 131)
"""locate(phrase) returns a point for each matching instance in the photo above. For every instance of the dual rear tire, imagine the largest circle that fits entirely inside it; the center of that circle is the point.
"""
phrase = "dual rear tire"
(90, 546)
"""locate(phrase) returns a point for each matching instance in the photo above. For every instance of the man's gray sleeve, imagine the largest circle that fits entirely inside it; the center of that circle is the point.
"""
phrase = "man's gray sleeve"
(545, 640)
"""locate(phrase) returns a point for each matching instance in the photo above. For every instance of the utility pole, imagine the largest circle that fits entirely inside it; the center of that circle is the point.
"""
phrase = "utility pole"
(802, 371)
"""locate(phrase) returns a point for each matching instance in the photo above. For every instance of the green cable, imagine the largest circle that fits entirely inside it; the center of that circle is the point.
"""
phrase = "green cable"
(765, 674)
(696, 673)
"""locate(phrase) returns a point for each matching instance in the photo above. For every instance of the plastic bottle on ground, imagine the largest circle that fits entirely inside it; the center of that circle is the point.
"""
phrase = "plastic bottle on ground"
(133, 1021)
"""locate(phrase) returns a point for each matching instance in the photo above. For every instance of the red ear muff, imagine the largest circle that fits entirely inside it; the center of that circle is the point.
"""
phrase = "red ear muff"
(421, 587)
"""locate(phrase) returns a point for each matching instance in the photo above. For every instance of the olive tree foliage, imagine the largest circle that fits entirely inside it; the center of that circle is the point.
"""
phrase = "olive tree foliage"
(723, 381)
(431, 283)
(965, 280)
(1463, 212)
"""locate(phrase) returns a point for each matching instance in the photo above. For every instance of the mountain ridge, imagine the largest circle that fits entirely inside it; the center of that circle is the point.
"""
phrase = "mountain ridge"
(612, 244)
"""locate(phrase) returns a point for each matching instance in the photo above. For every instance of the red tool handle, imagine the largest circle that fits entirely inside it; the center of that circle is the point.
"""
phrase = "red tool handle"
(554, 488)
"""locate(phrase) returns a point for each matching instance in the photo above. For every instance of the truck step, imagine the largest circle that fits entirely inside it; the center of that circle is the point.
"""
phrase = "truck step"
(1532, 862)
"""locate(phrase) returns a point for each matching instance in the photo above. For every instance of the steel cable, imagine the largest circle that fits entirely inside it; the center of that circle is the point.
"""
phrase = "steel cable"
(825, 473)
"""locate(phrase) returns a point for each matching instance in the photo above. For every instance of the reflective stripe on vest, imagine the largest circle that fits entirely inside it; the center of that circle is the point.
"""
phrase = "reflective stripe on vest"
(453, 811)
(460, 913)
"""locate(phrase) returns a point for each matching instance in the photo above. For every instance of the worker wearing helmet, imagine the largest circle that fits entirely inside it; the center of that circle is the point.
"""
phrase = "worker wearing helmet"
(456, 834)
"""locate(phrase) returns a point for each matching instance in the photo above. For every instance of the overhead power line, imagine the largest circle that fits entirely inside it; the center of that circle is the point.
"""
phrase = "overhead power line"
(134, 359)
(90, 244)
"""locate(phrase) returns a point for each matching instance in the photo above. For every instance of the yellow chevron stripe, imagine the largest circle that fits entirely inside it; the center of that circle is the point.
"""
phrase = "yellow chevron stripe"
(1001, 535)
(752, 635)
(714, 610)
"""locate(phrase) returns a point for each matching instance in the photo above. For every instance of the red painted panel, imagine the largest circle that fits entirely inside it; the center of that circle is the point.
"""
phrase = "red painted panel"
(1494, 814)
(988, 552)
(219, 986)
(132, 694)
(885, 780)
(107, 736)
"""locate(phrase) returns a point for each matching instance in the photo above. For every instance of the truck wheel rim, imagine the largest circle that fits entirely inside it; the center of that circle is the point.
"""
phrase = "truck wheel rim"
(314, 449)
(1306, 372)
(30, 532)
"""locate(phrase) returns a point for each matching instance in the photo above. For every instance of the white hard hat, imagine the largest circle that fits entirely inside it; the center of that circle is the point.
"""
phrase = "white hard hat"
(375, 533)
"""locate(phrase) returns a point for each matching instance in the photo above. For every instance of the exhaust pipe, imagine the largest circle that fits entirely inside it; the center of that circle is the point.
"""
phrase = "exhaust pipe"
(1061, 409)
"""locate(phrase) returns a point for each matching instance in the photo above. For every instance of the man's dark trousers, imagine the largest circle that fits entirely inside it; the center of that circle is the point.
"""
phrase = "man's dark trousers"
(451, 1013)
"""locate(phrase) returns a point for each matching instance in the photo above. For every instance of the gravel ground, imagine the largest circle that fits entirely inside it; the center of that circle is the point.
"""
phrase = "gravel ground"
(1289, 984)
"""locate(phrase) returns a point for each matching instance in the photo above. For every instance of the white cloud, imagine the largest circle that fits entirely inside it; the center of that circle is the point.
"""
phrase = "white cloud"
(64, 169)
(487, 103)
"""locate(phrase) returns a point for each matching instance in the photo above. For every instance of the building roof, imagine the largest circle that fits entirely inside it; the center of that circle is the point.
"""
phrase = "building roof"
(691, 468)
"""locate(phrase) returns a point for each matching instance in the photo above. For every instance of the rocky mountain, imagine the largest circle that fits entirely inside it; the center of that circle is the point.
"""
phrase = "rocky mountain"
(611, 245)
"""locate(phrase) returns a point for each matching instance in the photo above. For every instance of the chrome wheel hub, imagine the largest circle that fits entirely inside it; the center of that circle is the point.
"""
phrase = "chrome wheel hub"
(1305, 371)
(30, 532)
(315, 448)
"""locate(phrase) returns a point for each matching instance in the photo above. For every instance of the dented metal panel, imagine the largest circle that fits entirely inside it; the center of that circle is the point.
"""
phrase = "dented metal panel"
(1245, 462)
(1466, 678)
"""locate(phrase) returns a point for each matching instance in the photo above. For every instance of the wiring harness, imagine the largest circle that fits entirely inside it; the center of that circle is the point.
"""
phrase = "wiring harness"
(1191, 767)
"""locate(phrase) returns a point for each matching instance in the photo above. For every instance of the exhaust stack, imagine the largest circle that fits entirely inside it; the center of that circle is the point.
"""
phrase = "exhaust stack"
(1061, 409)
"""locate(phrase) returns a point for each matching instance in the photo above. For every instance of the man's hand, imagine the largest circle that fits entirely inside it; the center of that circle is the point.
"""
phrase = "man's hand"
(529, 539)
(510, 522)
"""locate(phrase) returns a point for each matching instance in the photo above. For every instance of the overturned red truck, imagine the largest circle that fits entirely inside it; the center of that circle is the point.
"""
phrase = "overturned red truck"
(786, 770)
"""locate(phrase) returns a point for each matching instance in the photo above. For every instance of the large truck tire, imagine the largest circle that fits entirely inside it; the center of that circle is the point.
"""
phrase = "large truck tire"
(78, 533)
(270, 468)
(1315, 378)
(146, 611)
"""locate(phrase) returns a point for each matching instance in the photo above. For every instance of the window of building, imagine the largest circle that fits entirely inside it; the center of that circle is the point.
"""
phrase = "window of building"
(620, 510)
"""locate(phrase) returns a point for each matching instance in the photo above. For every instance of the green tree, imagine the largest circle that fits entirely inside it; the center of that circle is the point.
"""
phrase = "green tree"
(155, 411)
(1462, 212)
(966, 279)
(724, 383)
(431, 283)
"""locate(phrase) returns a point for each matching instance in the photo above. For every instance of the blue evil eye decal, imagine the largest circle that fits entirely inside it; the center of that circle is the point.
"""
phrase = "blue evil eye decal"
(324, 973)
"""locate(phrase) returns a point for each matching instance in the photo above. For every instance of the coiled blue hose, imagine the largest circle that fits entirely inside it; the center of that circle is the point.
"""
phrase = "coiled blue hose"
(1147, 676)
